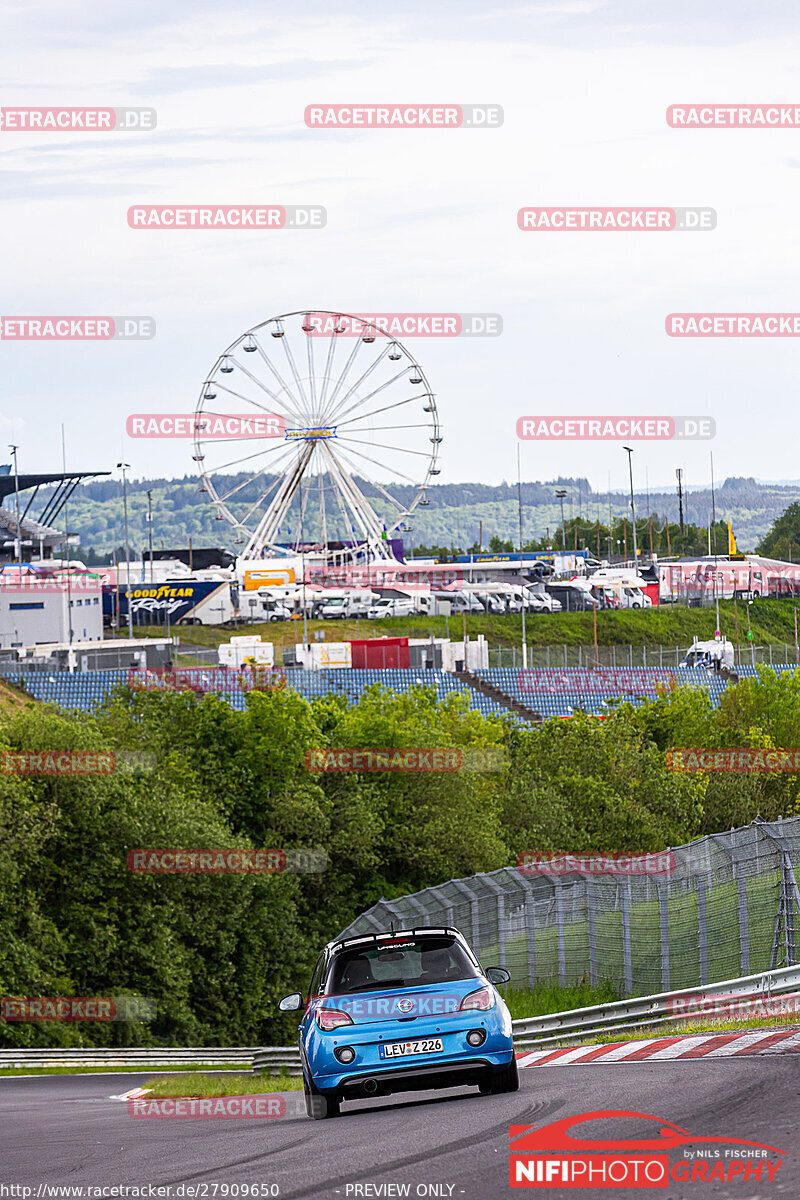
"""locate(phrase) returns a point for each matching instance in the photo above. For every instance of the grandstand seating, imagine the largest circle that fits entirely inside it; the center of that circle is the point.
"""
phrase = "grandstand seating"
(551, 692)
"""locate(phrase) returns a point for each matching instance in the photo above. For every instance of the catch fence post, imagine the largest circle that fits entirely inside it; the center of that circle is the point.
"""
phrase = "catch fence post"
(562, 954)
(664, 924)
(627, 965)
(590, 915)
(702, 927)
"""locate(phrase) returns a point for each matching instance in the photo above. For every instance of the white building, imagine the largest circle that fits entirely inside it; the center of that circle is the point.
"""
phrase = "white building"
(44, 606)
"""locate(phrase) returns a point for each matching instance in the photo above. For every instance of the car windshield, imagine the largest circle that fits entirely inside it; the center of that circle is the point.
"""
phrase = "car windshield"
(407, 962)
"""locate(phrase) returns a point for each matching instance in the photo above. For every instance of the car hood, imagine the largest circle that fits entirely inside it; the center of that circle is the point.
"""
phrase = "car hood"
(403, 1005)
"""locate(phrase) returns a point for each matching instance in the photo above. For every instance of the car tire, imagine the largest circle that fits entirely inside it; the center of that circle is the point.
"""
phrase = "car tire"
(504, 1080)
(318, 1106)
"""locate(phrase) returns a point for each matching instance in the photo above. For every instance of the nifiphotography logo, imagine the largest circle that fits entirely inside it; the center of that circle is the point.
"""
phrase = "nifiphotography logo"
(550, 1157)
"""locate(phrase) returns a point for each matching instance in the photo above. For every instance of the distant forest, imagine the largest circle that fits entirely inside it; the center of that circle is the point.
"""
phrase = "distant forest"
(459, 514)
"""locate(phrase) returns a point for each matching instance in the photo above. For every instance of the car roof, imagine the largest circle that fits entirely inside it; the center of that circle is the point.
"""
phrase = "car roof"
(375, 939)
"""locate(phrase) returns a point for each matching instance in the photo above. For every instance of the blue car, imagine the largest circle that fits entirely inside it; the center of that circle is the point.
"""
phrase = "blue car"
(397, 1012)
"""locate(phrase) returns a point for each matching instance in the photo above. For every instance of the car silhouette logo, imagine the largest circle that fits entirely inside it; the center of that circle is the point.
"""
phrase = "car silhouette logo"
(557, 1137)
(405, 1005)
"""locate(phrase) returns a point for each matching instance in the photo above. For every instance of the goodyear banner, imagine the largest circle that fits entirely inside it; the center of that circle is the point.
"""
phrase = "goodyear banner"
(152, 603)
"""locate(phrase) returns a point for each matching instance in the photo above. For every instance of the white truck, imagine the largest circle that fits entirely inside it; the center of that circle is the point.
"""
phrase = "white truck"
(714, 655)
(347, 604)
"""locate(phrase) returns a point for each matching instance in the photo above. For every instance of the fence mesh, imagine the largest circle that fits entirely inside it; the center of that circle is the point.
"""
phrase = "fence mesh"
(729, 906)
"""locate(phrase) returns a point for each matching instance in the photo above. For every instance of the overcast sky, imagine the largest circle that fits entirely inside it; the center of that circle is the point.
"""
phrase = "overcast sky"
(417, 220)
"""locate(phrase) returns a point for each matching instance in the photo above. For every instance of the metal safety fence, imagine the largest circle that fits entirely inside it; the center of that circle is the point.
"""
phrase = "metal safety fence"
(746, 654)
(727, 906)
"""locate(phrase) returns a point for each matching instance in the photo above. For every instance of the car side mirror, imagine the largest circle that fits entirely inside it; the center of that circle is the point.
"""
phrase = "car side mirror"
(291, 1003)
(497, 975)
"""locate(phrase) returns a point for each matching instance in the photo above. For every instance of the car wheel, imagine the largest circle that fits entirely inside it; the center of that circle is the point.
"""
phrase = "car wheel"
(504, 1080)
(318, 1107)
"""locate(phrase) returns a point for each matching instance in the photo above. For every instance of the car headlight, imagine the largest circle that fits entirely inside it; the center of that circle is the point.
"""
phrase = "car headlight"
(482, 999)
(329, 1019)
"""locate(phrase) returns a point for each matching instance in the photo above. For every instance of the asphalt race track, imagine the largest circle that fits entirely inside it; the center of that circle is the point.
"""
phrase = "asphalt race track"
(64, 1130)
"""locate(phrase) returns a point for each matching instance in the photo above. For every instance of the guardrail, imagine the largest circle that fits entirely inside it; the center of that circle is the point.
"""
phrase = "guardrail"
(611, 1018)
(133, 1057)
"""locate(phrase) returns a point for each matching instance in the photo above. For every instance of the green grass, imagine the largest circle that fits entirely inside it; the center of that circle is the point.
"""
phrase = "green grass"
(197, 1084)
(772, 621)
(546, 998)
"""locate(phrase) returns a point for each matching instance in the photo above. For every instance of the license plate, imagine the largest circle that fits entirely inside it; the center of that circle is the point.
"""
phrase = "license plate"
(407, 1049)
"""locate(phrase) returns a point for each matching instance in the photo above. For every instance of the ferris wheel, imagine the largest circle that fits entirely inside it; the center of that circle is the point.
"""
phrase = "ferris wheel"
(316, 426)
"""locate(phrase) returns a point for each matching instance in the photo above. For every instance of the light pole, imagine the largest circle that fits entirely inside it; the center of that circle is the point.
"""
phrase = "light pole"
(633, 508)
(18, 539)
(126, 467)
(150, 529)
(524, 639)
(560, 494)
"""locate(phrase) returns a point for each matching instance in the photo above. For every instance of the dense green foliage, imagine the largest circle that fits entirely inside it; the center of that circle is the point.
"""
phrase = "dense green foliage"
(216, 952)
(783, 539)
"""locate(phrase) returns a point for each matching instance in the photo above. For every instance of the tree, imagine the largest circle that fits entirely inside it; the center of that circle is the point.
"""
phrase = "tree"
(783, 540)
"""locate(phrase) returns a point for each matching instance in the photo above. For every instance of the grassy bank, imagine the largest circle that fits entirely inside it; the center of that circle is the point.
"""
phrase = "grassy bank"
(771, 621)
(198, 1084)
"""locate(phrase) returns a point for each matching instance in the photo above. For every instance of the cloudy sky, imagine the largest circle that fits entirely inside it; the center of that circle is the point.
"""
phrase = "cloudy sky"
(417, 220)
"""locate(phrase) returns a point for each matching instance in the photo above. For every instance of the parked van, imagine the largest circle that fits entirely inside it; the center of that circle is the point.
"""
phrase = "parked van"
(390, 607)
(573, 596)
(273, 610)
(465, 602)
(713, 655)
(347, 604)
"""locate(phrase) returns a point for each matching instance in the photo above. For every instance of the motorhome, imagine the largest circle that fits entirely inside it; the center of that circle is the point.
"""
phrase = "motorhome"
(628, 586)
(347, 604)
